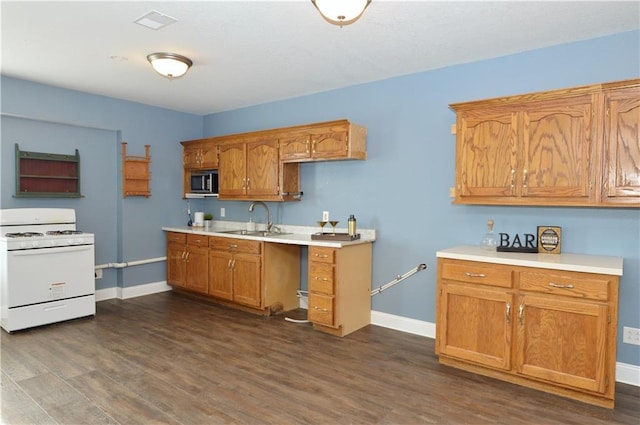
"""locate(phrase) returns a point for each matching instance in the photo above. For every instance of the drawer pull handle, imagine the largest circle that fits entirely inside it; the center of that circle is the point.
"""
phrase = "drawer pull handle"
(521, 314)
(557, 285)
(233, 246)
(508, 313)
(321, 255)
(320, 278)
(315, 307)
(469, 274)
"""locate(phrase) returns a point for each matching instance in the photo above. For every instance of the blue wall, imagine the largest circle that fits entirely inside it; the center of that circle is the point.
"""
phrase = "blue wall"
(402, 190)
(48, 119)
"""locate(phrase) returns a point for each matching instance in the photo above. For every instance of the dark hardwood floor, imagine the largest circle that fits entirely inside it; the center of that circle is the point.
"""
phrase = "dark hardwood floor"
(169, 359)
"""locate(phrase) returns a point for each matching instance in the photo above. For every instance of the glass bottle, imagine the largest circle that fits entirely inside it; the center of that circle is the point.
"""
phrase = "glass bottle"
(489, 241)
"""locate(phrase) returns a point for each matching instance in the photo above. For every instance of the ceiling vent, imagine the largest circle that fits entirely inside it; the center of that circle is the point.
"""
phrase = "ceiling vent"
(155, 20)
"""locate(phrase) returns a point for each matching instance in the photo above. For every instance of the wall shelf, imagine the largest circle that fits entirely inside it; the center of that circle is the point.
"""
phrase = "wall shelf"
(135, 173)
(47, 175)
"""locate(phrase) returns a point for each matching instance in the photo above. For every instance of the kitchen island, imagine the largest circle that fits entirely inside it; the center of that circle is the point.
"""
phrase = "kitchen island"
(261, 273)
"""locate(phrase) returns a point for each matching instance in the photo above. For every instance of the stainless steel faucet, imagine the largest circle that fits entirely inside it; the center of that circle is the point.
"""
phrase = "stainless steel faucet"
(269, 222)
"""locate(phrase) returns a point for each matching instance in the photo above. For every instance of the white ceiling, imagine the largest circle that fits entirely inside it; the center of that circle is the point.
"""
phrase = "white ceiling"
(252, 52)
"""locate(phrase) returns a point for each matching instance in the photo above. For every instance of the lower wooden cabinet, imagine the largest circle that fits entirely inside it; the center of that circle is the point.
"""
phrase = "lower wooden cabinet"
(340, 288)
(552, 330)
(234, 272)
(259, 276)
(187, 261)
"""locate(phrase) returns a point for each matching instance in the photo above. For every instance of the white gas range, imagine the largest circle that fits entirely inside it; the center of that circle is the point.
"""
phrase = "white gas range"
(46, 268)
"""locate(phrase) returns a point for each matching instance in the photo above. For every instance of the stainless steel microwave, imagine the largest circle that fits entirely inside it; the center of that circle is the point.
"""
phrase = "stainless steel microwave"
(204, 182)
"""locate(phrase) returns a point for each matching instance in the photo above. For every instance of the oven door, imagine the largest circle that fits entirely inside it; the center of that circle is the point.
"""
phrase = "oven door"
(48, 274)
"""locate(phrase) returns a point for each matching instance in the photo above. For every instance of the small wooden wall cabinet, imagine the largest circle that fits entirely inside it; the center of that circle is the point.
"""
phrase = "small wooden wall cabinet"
(571, 147)
(539, 320)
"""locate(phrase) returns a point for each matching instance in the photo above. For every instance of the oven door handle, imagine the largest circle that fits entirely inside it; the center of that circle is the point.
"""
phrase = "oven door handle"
(52, 250)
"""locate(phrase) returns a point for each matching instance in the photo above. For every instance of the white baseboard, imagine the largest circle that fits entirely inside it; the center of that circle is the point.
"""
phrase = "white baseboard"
(132, 291)
(628, 374)
(625, 373)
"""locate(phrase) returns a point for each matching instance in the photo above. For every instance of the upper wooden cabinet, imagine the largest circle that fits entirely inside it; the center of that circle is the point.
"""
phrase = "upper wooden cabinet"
(200, 154)
(249, 170)
(322, 142)
(545, 148)
(621, 160)
(264, 165)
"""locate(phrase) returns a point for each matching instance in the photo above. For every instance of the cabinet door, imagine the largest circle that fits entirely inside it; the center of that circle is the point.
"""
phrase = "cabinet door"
(622, 146)
(476, 325)
(486, 153)
(176, 268)
(232, 170)
(562, 341)
(330, 145)
(262, 168)
(197, 269)
(556, 141)
(247, 281)
(209, 156)
(220, 274)
(191, 157)
(295, 147)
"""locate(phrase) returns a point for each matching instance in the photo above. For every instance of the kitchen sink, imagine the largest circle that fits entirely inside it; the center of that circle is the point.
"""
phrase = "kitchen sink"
(244, 232)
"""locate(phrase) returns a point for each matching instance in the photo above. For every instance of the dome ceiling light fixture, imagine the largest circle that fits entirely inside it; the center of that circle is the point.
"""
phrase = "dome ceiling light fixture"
(169, 65)
(341, 12)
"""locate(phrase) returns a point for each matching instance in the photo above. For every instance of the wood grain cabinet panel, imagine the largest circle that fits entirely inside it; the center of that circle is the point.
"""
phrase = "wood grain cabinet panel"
(187, 262)
(336, 140)
(563, 341)
(476, 325)
(556, 141)
(570, 147)
(553, 330)
(176, 266)
(622, 147)
(488, 142)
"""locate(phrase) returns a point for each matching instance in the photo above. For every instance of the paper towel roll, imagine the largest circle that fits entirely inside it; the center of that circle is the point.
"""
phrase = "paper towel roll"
(198, 220)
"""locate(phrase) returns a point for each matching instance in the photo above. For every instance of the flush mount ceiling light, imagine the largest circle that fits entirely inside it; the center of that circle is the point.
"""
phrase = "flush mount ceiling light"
(341, 12)
(170, 65)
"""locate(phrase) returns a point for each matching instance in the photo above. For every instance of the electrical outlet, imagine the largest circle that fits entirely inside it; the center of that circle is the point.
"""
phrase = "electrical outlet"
(222, 212)
(98, 274)
(631, 335)
(325, 215)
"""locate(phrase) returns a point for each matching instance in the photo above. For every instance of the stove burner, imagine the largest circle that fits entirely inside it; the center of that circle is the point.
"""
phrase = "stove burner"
(64, 232)
(23, 234)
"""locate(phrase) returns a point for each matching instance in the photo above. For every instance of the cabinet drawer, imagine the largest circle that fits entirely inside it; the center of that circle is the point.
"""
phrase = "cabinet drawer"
(322, 254)
(177, 237)
(198, 240)
(235, 245)
(571, 284)
(321, 278)
(321, 309)
(475, 272)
